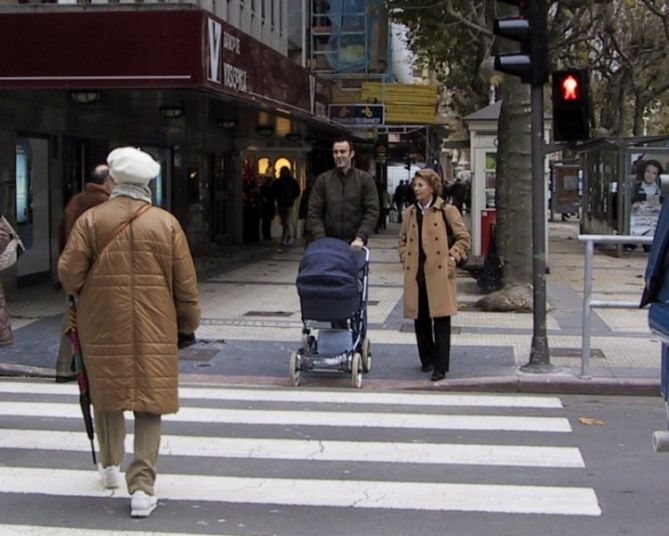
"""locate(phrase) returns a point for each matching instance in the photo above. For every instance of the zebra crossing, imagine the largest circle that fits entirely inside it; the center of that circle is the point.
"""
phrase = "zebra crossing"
(311, 449)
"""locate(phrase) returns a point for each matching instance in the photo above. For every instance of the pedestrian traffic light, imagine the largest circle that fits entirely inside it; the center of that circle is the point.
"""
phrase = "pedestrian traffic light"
(407, 162)
(529, 29)
(571, 108)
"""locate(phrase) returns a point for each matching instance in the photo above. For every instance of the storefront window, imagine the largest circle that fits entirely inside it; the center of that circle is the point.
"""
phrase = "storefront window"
(159, 186)
(23, 208)
(282, 161)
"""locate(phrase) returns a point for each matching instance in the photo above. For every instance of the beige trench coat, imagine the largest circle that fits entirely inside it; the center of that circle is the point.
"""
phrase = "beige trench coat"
(441, 257)
(132, 303)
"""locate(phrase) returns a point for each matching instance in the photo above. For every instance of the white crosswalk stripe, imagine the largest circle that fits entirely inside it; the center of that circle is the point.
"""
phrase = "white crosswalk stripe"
(277, 428)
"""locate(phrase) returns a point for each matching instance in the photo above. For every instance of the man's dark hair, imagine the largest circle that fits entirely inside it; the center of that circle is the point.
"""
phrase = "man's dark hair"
(99, 175)
(344, 139)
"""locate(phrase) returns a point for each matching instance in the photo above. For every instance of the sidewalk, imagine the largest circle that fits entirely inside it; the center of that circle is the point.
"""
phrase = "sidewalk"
(251, 324)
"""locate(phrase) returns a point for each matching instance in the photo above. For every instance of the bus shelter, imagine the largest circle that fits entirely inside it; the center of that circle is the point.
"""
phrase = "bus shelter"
(621, 188)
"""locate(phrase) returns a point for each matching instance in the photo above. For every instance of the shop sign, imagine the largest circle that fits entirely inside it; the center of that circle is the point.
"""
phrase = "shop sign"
(357, 114)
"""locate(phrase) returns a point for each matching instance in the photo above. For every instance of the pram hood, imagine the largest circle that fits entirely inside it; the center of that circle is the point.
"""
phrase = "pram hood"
(329, 269)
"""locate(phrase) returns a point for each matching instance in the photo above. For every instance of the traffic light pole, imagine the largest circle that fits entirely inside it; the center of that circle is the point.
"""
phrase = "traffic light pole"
(539, 356)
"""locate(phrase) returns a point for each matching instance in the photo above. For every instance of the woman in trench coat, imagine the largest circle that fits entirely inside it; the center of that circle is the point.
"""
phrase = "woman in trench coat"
(429, 260)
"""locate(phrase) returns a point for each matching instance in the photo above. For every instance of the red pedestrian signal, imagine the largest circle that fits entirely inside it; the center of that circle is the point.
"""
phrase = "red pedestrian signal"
(569, 86)
(571, 107)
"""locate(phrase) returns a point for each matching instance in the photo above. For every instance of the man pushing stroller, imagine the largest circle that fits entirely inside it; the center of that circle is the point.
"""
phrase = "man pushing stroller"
(344, 203)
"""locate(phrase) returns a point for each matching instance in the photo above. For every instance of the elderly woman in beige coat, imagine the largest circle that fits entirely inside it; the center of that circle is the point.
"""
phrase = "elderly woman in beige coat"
(432, 240)
(130, 265)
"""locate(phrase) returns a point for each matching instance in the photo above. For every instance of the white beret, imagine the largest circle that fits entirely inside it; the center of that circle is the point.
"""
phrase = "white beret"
(127, 164)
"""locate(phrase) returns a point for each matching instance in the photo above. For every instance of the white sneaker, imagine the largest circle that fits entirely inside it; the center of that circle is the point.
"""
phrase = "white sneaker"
(142, 504)
(111, 476)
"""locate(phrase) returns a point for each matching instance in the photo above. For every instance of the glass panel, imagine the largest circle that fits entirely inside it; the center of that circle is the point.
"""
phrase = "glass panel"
(23, 207)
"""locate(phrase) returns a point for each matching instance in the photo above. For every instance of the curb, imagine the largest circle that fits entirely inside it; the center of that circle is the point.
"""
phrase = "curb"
(539, 384)
(12, 369)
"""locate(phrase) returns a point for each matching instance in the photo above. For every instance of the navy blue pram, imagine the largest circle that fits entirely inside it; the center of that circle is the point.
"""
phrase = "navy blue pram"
(332, 284)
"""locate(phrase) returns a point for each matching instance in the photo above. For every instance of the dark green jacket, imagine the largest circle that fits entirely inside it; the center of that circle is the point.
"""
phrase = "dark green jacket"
(343, 207)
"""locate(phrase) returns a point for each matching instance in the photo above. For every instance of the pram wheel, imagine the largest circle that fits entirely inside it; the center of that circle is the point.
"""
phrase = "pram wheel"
(366, 355)
(294, 372)
(356, 370)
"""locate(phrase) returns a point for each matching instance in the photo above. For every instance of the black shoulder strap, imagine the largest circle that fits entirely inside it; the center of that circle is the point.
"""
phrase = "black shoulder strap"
(449, 231)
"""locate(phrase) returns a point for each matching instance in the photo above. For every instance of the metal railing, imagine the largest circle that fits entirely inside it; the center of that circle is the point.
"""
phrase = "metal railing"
(588, 303)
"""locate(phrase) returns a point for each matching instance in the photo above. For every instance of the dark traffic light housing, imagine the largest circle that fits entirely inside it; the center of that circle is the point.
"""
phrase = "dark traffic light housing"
(571, 107)
(529, 29)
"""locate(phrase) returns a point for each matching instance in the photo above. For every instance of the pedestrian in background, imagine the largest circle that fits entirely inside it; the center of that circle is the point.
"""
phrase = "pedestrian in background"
(130, 266)
(285, 190)
(6, 337)
(429, 258)
(303, 210)
(344, 203)
(96, 190)
(267, 208)
(398, 200)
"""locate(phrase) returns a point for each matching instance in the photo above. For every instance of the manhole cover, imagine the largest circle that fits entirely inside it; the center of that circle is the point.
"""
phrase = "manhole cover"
(196, 354)
(595, 353)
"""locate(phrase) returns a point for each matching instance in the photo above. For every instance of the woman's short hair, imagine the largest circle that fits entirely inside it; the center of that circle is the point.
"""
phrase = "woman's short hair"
(431, 177)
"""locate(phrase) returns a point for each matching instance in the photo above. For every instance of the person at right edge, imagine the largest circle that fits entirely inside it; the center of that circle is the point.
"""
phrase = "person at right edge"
(429, 259)
(130, 266)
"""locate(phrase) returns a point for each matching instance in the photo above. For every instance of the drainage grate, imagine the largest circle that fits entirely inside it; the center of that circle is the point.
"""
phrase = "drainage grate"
(268, 313)
(372, 302)
(595, 353)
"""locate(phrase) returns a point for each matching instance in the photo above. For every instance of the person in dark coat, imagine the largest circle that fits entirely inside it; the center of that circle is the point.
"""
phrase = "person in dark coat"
(344, 203)
(96, 190)
(398, 200)
(285, 190)
(267, 208)
(303, 210)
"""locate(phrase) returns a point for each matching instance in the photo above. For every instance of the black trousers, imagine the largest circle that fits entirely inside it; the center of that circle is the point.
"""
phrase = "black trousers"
(433, 335)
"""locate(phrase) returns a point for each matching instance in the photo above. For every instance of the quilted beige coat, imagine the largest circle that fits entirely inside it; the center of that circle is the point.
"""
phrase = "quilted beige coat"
(132, 302)
(441, 257)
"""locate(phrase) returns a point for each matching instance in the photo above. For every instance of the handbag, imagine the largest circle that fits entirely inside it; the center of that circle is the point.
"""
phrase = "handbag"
(14, 249)
(451, 240)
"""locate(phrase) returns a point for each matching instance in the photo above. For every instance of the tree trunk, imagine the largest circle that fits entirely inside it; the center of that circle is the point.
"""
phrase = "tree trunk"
(513, 199)
(514, 186)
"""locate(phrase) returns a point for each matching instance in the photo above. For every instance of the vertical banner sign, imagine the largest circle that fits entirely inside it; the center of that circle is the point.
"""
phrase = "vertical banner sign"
(214, 49)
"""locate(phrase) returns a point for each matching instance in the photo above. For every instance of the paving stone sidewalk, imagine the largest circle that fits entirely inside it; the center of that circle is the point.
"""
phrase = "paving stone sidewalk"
(251, 324)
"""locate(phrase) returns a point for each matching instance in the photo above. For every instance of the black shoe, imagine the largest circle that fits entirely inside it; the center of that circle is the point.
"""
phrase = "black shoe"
(426, 368)
(65, 379)
(184, 340)
(437, 375)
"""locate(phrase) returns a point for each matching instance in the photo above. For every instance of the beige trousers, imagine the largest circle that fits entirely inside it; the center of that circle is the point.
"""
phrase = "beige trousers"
(110, 428)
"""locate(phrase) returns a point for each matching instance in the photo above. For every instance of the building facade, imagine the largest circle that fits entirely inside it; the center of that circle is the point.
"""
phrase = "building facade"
(207, 89)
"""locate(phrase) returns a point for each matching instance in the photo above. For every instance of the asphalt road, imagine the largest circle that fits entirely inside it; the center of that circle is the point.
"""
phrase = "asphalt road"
(299, 462)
